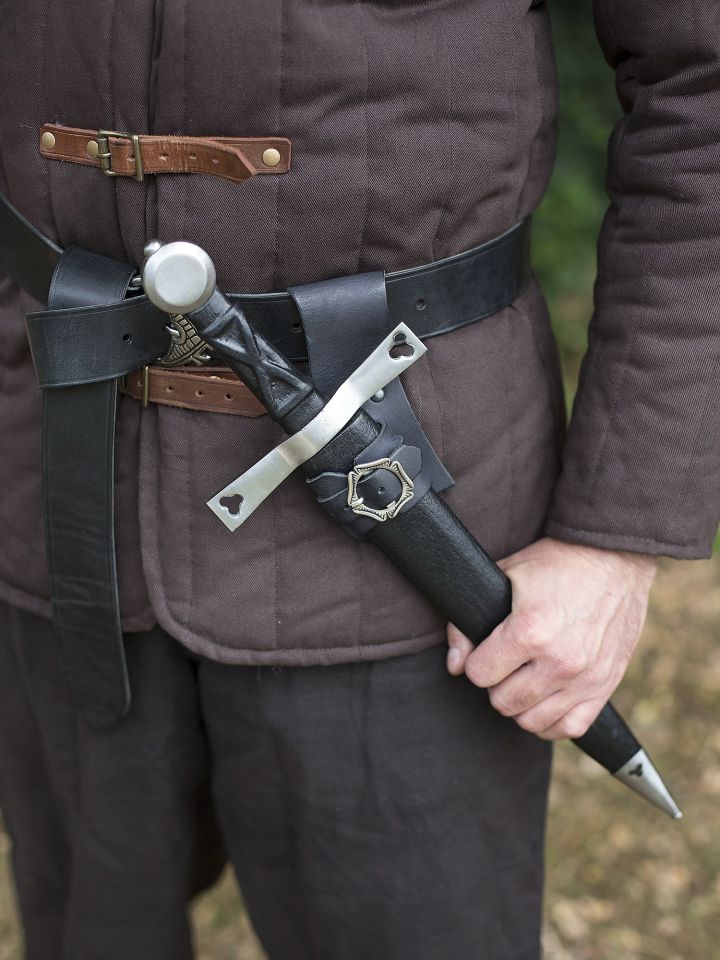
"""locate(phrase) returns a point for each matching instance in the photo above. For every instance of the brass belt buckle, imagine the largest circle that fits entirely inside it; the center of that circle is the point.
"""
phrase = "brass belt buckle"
(105, 157)
(145, 396)
(143, 383)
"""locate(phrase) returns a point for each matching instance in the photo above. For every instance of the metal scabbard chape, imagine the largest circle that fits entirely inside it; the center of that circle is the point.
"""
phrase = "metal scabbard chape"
(640, 774)
(257, 483)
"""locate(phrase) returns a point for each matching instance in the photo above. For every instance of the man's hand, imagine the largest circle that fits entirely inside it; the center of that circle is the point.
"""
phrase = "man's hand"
(577, 614)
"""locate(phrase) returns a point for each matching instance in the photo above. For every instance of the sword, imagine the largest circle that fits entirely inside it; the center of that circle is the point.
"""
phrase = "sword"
(428, 543)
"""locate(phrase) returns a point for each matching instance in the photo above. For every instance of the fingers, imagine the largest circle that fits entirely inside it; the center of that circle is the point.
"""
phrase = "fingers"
(488, 663)
(576, 617)
(557, 718)
(537, 697)
(508, 647)
(511, 644)
(527, 686)
(459, 649)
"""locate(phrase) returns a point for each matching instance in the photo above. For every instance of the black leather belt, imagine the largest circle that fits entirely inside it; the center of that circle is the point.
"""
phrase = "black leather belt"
(94, 333)
(432, 299)
(26, 255)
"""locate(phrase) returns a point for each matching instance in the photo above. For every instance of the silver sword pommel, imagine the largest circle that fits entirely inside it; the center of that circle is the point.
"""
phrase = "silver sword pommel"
(178, 277)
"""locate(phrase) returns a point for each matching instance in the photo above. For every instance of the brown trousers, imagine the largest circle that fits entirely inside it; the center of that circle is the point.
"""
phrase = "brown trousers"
(371, 810)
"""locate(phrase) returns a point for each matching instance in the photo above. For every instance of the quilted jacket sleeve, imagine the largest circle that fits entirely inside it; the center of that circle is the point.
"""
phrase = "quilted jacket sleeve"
(642, 462)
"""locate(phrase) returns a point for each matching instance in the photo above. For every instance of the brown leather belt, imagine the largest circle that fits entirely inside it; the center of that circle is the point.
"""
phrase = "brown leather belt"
(211, 389)
(134, 155)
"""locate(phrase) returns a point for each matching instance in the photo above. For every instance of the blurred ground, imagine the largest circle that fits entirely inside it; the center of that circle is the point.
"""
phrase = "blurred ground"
(624, 882)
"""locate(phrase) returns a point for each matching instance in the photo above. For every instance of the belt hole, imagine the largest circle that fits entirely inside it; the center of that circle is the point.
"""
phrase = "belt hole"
(193, 156)
(169, 389)
(228, 396)
(198, 393)
(215, 160)
(127, 338)
(163, 156)
(420, 304)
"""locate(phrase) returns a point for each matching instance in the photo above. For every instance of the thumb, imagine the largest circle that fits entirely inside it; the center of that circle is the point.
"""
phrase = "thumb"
(459, 649)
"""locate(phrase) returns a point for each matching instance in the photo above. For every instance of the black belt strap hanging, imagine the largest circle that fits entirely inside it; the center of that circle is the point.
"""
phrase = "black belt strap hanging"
(78, 467)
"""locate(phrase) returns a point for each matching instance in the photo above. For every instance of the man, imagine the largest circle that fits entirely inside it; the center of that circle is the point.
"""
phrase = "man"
(372, 804)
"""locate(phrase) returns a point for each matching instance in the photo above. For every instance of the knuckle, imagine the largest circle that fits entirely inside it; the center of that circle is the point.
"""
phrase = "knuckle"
(563, 671)
(571, 663)
(531, 724)
(475, 672)
(501, 704)
(530, 629)
(572, 727)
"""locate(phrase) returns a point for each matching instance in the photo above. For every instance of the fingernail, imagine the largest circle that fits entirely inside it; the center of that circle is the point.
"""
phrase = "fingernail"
(454, 659)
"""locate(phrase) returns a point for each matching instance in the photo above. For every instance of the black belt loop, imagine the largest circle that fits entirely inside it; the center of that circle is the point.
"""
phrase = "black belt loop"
(78, 488)
(343, 320)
